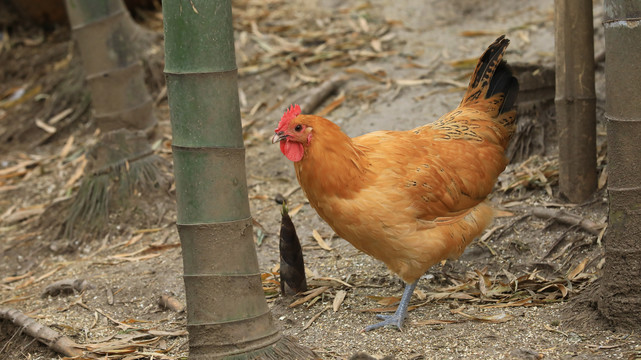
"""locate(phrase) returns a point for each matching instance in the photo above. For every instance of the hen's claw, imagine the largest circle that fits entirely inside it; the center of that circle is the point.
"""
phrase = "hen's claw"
(393, 320)
(401, 312)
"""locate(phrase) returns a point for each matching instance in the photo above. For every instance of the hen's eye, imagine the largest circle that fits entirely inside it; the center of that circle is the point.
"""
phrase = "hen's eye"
(298, 127)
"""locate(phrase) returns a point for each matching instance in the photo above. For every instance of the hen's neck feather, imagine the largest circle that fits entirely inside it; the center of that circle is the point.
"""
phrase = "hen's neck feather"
(333, 165)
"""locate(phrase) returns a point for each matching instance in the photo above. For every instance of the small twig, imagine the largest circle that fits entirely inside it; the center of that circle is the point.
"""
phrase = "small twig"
(46, 335)
(311, 321)
(311, 101)
(511, 226)
(558, 241)
(568, 219)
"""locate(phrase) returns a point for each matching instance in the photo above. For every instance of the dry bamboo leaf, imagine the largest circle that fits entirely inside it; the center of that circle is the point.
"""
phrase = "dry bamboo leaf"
(377, 45)
(167, 333)
(311, 294)
(320, 241)
(331, 106)
(311, 321)
(6, 188)
(19, 96)
(385, 300)
(49, 273)
(24, 214)
(471, 33)
(60, 116)
(578, 269)
(338, 300)
(46, 127)
(295, 210)
(15, 299)
(603, 177)
(464, 64)
(26, 283)
(450, 295)
(139, 258)
(10, 279)
(494, 319)
(66, 149)
(133, 240)
(436, 322)
(147, 231)
(523, 302)
(193, 7)
(18, 168)
(321, 278)
(362, 22)
(503, 213)
(80, 170)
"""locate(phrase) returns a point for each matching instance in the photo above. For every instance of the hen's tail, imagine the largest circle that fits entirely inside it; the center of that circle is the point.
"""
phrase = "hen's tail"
(492, 76)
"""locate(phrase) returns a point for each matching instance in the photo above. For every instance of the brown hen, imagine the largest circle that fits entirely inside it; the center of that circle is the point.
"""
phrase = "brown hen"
(410, 198)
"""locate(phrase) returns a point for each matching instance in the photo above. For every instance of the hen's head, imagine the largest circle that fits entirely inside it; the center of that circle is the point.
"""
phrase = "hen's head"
(293, 134)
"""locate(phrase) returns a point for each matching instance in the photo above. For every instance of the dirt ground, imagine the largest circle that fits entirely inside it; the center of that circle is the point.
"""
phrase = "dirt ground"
(521, 291)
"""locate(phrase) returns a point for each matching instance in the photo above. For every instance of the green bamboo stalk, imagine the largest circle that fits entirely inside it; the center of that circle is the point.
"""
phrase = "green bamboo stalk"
(105, 35)
(575, 98)
(227, 314)
(620, 287)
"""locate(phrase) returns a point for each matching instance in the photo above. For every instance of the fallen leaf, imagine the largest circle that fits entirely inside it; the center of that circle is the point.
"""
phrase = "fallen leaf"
(385, 300)
(66, 149)
(320, 241)
(310, 295)
(311, 321)
(494, 319)
(60, 116)
(295, 210)
(338, 300)
(46, 127)
(578, 269)
(436, 322)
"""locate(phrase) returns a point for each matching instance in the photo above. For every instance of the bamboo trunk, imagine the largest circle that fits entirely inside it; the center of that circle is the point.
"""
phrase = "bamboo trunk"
(227, 314)
(105, 34)
(620, 288)
(575, 98)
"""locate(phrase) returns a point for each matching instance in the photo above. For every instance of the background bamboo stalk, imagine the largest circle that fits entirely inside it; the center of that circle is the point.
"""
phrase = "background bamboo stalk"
(575, 98)
(106, 36)
(620, 288)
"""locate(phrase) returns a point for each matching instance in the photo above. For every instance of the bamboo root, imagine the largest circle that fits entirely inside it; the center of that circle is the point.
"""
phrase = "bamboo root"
(46, 335)
(569, 219)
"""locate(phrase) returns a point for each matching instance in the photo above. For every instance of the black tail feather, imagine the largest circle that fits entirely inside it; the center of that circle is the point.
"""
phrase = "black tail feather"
(493, 76)
(503, 82)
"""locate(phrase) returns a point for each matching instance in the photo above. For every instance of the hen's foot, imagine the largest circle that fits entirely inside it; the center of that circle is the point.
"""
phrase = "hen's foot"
(392, 320)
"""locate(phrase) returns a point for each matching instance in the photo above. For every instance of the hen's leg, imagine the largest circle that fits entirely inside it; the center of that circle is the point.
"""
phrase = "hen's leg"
(401, 312)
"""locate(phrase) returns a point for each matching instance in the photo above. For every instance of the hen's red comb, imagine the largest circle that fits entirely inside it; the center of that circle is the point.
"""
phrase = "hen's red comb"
(292, 112)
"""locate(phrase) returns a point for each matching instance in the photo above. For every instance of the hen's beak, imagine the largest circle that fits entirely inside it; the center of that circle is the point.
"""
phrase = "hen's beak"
(278, 137)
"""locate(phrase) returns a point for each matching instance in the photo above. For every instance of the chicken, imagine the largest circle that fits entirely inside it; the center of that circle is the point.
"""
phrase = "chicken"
(409, 198)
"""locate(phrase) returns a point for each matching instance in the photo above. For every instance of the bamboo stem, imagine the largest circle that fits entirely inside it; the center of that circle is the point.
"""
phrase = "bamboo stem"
(227, 315)
(619, 296)
(575, 98)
